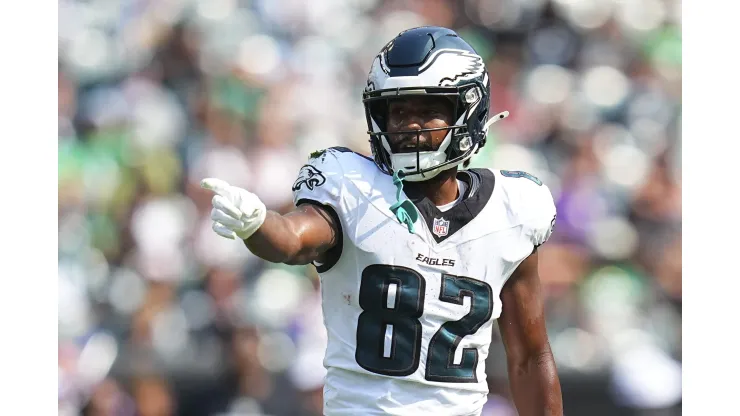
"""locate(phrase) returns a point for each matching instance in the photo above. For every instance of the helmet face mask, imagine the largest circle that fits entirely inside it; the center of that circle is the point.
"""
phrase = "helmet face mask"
(428, 62)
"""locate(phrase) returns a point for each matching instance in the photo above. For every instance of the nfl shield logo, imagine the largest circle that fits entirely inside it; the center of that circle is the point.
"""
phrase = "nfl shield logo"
(441, 227)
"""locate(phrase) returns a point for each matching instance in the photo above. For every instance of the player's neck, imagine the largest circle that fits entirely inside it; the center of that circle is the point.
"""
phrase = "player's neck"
(440, 190)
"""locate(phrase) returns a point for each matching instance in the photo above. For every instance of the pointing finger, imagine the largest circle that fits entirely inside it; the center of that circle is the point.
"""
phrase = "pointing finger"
(219, 186)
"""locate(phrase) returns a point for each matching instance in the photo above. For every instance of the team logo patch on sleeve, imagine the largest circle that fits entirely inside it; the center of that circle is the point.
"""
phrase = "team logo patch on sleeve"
(309, 176)
(441, 227)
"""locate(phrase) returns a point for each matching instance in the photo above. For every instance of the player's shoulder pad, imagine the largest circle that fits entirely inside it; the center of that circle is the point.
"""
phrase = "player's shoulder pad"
(529, 201)
(321, 178)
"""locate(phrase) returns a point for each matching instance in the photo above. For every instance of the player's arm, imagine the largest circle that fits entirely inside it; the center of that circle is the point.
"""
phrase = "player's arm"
(299, 237)
(310, 233)
(533, 377)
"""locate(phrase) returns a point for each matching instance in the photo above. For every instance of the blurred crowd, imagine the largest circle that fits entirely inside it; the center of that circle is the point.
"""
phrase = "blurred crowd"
(160, 316)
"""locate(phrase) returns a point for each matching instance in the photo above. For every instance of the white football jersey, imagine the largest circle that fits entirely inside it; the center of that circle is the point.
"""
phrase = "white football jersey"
(409, 316)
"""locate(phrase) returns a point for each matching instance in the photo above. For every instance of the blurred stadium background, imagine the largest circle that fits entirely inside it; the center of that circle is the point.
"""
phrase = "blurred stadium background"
(159, 316)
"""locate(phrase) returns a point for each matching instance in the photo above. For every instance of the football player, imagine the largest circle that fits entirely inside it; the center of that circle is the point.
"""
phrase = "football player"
(417, 254)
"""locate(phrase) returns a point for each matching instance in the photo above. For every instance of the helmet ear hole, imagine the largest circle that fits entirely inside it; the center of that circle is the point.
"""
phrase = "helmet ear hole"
(465, 144)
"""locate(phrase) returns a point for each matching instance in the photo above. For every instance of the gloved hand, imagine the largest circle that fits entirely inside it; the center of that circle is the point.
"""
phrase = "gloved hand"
(236, 212)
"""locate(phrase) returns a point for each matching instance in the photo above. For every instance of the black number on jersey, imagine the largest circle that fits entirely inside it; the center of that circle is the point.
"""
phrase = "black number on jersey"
(399, 356)
(402, 356)
(441, 354)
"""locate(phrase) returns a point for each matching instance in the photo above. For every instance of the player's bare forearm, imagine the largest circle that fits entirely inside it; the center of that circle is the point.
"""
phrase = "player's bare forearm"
(298, 237)
(275, 241)
(535, 386)
(533, 377)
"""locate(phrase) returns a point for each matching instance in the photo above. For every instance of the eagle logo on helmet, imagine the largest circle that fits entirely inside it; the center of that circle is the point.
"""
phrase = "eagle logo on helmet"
(450, 66)
(309, 176)
(378, 71)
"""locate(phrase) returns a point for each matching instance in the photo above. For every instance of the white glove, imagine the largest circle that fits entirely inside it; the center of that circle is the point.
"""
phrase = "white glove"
(236, 212)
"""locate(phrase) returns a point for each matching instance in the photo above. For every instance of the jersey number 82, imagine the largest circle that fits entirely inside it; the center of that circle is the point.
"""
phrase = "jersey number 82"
(399, 322)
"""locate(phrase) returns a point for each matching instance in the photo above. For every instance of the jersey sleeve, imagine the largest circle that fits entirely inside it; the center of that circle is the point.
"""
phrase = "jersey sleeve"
(538, 212)
(320, 181)
(530, 204)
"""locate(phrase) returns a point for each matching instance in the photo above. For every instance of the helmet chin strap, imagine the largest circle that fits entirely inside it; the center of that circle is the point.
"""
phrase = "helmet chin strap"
(421, 177)
(419, 160)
